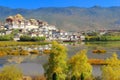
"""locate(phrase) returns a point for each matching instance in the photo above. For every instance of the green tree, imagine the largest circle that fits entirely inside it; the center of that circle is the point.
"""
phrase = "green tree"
(29, 38)
(10, 73)
(79, 65)
(37, 38)
(15, 32)
(6, 37)
(25, 38)
(57, 62)
(112, 70)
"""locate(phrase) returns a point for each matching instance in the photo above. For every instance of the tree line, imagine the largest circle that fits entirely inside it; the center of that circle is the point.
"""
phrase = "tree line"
(29, 38)
(22, 38)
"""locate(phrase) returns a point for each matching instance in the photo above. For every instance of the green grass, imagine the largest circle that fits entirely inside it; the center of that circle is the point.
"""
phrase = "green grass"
(110, 44)
(6, 50)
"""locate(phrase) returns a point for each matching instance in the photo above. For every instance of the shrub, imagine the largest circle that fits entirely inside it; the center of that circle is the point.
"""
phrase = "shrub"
(34, 52)
(24, 52)
(10, 73)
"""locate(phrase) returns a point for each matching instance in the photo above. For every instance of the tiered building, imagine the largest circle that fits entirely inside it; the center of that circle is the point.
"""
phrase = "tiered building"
(35, 27)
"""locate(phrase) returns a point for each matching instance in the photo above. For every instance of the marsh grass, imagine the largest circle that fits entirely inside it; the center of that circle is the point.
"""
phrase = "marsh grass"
(14, 43)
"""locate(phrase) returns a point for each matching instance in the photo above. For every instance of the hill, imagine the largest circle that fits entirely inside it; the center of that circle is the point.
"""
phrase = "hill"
(71, 18)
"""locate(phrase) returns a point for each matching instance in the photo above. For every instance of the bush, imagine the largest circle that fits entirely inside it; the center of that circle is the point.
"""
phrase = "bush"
(14, 52)
(46, 51)
(34, 52)
(24, 52)
(2, 53)
(10, 73)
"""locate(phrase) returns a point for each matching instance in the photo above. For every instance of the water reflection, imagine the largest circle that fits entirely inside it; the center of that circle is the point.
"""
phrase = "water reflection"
(15, 59)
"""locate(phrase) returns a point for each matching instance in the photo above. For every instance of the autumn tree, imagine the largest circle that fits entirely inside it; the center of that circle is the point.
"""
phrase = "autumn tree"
(57, 62)
(10, 73)
(112, 70)
(79, 66)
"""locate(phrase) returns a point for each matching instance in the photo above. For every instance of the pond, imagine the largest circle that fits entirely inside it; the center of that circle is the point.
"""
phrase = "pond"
(110, 47)
(32, 64)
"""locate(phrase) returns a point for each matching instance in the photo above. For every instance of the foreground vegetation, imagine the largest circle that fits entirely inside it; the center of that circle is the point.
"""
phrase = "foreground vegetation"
(10, 73)
(78, 67)
(56, 68)
(112, 70)
(60, 68)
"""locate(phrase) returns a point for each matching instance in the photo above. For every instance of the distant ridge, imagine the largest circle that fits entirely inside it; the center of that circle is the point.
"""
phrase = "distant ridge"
(71, 18)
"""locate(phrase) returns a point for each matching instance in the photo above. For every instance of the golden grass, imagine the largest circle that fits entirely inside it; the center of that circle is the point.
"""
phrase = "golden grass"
(97, 62)
(14, 43)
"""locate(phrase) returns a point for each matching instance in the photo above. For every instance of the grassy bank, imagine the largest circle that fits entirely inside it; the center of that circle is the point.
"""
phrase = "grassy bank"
(103, 44)
(14, 43)
(102, 38)
(6, 50)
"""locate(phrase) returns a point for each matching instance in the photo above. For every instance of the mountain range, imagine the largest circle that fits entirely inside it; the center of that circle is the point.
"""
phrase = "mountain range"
(71, 18)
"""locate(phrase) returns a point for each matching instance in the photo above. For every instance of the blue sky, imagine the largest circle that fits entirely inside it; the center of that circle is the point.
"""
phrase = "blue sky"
(32, 4)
